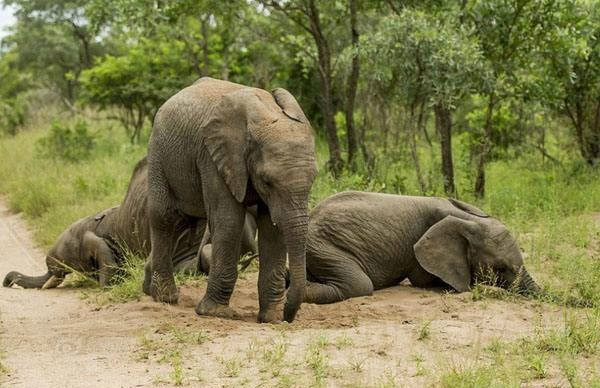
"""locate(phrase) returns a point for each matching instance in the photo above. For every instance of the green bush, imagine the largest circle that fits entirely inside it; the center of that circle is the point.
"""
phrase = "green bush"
(13, 112)
(67, 143)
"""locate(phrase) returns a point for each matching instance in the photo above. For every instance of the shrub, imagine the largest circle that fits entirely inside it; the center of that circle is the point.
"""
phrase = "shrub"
(13, 112)
(68, 143)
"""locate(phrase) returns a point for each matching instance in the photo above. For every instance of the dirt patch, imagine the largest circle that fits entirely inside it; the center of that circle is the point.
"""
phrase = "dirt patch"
(400, 335)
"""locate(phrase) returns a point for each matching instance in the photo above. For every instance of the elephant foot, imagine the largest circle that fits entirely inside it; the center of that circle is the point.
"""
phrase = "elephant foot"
(272, 314)
(214, 309)
(164, 289)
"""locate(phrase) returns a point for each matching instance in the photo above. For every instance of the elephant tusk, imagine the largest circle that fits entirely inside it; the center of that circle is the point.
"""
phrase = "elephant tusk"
(53, 282)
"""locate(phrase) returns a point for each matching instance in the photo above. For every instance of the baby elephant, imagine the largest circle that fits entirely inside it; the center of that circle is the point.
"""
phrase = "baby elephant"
(359, 242)
(96, 245)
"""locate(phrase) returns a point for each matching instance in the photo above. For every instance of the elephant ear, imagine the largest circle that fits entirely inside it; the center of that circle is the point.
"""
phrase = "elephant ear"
(442, 251)
(226, 139)
(468, 208)
(289, 105)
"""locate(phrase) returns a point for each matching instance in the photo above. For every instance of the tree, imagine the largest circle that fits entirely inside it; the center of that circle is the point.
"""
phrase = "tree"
(352, 86)
(508, 31)
(572, 54)
(319, 20)
(440, 64)
(53, 40)
(138, 82)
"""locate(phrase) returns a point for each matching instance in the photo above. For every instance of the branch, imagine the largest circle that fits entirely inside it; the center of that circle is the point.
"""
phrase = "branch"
(545, 154)
(286, 11)
(395, 9)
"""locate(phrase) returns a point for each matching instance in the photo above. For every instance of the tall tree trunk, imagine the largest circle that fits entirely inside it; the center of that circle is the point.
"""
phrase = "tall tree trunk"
(412, 138)
(367, 157)
(443, 123)
(352, 85)
(485, 148)
(204, 46)
(326, 78)
(587, 129)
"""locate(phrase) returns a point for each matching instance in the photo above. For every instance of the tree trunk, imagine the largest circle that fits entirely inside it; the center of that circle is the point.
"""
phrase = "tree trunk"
(204, 46)
(586, 121)
(351, 91)
(485, 149)
(363, 144)
(443, 123)
(326, 78)
(412, 137)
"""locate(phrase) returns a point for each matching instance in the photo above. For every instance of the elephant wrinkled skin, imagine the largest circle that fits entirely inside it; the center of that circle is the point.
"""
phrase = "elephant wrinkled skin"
(358, 242)
(216, 149)
(95, 245)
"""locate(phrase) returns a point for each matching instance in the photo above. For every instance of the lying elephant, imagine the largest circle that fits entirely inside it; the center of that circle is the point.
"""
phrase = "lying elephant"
(359, 242)
(96, 245)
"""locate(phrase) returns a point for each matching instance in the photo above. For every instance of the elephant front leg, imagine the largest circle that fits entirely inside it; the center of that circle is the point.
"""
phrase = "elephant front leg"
(226, 223)
(272, 271)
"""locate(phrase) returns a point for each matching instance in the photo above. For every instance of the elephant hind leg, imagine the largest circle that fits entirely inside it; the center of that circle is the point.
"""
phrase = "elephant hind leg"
(159, 281)
(337, 278)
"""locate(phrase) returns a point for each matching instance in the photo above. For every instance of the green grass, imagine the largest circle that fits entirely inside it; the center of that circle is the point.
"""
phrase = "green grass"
(317, 360)
(53, 193)
(566, 350)
(169, 344)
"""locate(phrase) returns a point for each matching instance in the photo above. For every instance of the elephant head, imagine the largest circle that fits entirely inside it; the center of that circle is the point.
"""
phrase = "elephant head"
(77, 248)
(263, 145)
(462, 250)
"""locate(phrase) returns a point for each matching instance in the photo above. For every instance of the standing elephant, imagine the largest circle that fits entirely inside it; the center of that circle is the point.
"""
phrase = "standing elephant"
(96, 245)
(359, 242)
(217, 148)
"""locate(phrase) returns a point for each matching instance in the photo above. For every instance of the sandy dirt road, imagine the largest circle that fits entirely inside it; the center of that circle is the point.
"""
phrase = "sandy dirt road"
(55, 338)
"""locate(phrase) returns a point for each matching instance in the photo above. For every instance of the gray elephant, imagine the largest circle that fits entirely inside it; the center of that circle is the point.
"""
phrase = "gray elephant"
(216, 149)
(96, 245)
(359, 242)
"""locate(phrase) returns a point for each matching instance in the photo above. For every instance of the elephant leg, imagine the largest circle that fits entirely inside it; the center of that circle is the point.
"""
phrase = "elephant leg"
(203, 243)
(249, 235)
(421, 278)
(159, 281)
(337, 278)
(205, 258)
(226, 221)
(94, 246)
(272, 270)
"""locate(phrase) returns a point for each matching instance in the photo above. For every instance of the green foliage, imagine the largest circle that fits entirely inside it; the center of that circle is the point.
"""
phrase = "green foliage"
(52, 40)
(440, 62)
(139, 81)
(14, 106)
(69, 143)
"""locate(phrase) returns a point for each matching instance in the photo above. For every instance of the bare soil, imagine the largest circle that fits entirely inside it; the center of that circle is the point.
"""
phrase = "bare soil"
(402, 335)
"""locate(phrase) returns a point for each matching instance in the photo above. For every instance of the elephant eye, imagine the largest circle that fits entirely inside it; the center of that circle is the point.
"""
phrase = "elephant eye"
(268, 182)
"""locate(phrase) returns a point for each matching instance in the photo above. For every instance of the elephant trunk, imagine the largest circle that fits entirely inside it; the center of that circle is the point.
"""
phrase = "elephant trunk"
(526, 284)
(25, 281)
(294, 232)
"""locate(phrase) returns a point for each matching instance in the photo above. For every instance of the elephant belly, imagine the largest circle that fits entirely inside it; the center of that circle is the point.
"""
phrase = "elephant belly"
(389, 271)
(386, 273)
(187, 190)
